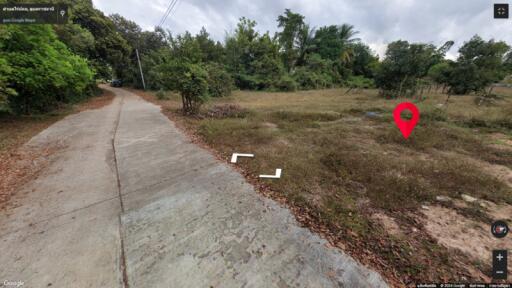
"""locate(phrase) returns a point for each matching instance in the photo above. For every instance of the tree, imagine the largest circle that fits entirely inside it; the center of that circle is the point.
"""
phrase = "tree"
(185, 47)
(403, 66)
(111, 51)
(364, 62)
(305, 43)
(333, 42)
(220, 82)
(316, 73)
(5, 90)
(253, 59)
(237, 46)
(193, 87)
(440, 73)
(79, 40)
(507, 62)
(479, 64)
(146, 42)
(292, 25)
(39, 70)
(130, 31)
(211, 51)
(189, 79)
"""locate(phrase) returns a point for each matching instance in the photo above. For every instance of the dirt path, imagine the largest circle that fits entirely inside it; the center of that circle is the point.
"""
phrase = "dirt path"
(131, 202)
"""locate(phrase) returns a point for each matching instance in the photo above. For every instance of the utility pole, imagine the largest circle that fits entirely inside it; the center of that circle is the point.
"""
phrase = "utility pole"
(140, 68)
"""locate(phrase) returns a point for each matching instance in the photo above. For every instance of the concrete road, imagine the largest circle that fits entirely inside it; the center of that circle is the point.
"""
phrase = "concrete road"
(130, 202)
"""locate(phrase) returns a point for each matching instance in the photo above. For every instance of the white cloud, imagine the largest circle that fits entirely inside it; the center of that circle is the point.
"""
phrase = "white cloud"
(379, 21)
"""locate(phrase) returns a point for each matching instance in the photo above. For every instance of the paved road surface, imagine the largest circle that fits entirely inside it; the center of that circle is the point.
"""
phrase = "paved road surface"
(130, 202)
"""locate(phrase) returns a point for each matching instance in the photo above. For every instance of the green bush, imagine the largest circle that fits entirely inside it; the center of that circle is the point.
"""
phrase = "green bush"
(434, 115)
(193, 87)
(307, 79)
(249, 82)
(285, 83)
(40, 71)
(5, 91)
(162, 95)
(360, 82)
(220, 82)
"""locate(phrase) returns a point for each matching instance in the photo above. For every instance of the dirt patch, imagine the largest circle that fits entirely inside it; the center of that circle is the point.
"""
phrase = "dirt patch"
(19, 167)
(498, 212)
(502, 140)
(500, 172)
(388, 223)
(455, 231)
(270, 126)
(227, 111)
(97, 102)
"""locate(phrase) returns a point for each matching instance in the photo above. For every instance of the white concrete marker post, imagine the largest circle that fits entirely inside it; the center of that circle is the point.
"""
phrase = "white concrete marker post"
(277, 176)
(236, 155)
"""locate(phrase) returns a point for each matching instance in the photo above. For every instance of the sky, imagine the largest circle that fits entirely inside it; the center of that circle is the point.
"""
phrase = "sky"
(379, 22)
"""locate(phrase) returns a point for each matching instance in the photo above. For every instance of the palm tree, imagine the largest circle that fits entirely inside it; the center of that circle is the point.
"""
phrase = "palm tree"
(346, 54)
(346, 33)
(305, 43)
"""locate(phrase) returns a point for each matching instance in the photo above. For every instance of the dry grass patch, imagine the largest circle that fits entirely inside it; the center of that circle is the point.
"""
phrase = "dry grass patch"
(346, 165)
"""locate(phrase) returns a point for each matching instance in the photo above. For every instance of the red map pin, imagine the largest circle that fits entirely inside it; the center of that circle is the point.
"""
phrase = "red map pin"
(406, 126)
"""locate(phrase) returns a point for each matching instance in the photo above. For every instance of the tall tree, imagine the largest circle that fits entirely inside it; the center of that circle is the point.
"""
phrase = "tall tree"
(363, 61)
(252, 59)
(305, 43)
(146, 42)
(333, 42)
(403, 65)
(212, 51)
(40, 70)
(292, 25)
(111, 50)
(480, 63)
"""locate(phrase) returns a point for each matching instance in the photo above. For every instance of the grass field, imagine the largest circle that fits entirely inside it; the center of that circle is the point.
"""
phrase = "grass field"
(346, 165)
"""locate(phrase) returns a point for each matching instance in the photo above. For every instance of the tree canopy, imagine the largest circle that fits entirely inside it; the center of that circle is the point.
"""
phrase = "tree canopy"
(298, 56)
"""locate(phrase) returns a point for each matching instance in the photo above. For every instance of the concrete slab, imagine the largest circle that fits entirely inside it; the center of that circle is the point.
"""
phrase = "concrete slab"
(179, 219)
(80, 249)
(63, 229)
(191, 221)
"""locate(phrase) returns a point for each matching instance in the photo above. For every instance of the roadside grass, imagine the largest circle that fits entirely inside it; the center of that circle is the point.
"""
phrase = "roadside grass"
(343, 160)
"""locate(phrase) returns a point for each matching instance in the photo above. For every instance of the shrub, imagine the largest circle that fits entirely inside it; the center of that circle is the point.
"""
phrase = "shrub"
(220, 82)
(249, 82)
(193, 87)
(40, 71)
(434, 115)
(162, 95)
(227, 111)
(311, 80)
(360, 82)
(403, 65)
(285, 83)
(166, 75)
